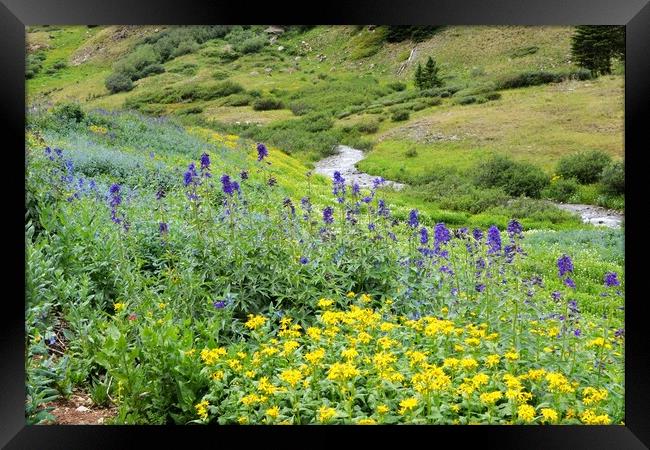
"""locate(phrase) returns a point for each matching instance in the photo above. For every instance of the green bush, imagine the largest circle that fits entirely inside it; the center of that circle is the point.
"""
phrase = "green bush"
(152, 69)
(515, 178)
(237, 100)
(69, 112)
(399, 116)
(34, 64)
(535, 78)
(411, 153)
(466, 100)
(266, 104)
(367, 126)
(246, 40)
(612, 178)
(561, 190)
(299, 108)
(586, 167)
(220, 75)
(118, 82)
(493, 96)
(397, 86)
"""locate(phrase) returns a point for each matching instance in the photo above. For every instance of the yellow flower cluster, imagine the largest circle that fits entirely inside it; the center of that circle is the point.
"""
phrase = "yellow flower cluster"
(98, 129)
(342, 372)
(589, 417)
(202, 409)
(326, 413)
(211, 356)
(119, 306)
(255, 322)
(591, 396)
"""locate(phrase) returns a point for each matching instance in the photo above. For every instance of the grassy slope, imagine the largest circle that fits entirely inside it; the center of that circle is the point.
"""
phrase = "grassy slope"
(538, 124)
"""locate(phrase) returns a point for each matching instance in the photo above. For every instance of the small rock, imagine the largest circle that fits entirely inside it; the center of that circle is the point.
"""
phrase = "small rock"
(100, 420)
(82, 409)
(297, 58)
(280, 48)
(267, 69)
(254, 72)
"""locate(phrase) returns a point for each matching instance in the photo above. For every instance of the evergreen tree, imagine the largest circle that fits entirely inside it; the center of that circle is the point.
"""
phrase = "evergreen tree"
(431, 74)
(419, 80)
(594, 46)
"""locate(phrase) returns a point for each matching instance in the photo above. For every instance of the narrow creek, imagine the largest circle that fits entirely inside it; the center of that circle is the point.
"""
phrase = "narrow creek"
(347, 157)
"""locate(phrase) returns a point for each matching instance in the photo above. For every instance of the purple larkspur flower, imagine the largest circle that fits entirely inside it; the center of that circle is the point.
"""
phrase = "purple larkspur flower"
(577, 332)
(163, 227)
(611, 279)
(570, 283)
(366, 199)
(287, 203)
(355, 188)
(205, 161)
(413, 218)
(328, 215)
(226, 185)
(424, 236)
(262, 152)
(243, 175)
(564, 265)
(382, 209)
(58, 152)
(151, 155)
(515, 228)
(441, 235)
(446, 269)
(477, 233)
(219, 304)
(494, 240)
(160, 193)
(556, 295)
(454, 291)
(619, 333)
(235, 186)
(378, 182)
(573, 306)
(371, 227)
(304, 260)
(272, 181)
(92, 185)
(392, 236)
(480, 287)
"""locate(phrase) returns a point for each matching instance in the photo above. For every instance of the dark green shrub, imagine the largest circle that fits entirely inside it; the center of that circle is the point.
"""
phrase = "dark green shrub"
(266, 104)
(561, 190)
(118, 82)
(397, 86)
(612, 178)
(61, 64)
(34, 64)
(411, 153)
(524, 51)
(190, 110)
(492, 96)
(399, 116)
(367, 126)
(317, 122)
(585, 167)
(466, 100)
(237, 100)
(299, 108)
(220, 75)
(69, 112)
(152, 69)
(515, 178)
(184, 48)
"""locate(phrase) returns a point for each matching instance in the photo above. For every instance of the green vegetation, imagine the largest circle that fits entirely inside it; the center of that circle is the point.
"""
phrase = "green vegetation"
(594, 46)
(586, 167)
(427, 78)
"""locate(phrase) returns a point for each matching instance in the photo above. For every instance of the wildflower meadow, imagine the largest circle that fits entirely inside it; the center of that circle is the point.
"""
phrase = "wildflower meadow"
(190, 277)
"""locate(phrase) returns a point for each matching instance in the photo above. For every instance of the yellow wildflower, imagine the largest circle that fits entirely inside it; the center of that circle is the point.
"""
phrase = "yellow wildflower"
(549, 415)
(367, 421)
(202, 409)
(273, 412)
(468, 363)
(326, 413)
(489, 398)
(255, 322)
(589, 417)
(365, 298)
(382, 409)
(210, 356)
(364, 337)
(162, 305)
(342, 372)
(349, 353)
(218, 375)
(291, 376)
(314, 333)
(387, 326)
(599, 342)
(350, 294)
(591, 396)
(314, 357)
(290, 346)
(526, 413)
(119, 306)
(475, 342)
(242, 420)
(407, 405)
(325, 303)
(512, 355)
(492, 360)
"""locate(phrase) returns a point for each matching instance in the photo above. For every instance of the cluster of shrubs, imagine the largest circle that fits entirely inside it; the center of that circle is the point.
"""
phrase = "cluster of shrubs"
(34, 64)
(154, 50)
(536, 78)
(587, 168)
(515, 178)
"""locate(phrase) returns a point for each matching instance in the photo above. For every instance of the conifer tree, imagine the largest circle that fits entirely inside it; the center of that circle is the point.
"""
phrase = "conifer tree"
(594, 46)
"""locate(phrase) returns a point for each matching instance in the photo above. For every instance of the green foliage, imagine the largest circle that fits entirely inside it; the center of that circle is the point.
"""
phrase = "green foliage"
(612, 178)
(586, 167)
(118, 82)
(397, 86)
(535, 78)
(367, 42)
(515, 178)
(416, 33)
(411, 153)
(561, 190)
(69, 112)
(267, 103)
(400, 115)
(594, 46)
(367, 126)
(524, 51)
(427, 78)
(246, 40)
(34, 64)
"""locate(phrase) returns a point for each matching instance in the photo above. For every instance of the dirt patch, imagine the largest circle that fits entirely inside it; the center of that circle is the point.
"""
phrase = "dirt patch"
(421, 131)
(79, 410)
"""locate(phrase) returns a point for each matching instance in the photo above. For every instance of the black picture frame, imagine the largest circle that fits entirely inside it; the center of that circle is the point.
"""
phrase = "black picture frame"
(634, 14)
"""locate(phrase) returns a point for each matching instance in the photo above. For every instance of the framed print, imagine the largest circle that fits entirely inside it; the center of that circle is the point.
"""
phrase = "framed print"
(240, 217)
